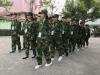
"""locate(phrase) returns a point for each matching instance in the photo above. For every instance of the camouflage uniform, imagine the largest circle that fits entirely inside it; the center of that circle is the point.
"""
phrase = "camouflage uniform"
(83, 34)
(23, 30)
(19, 32)
(43, 42)
(52, 40)
(65, 37)
(15, 36)
(18, 27)
(27, 37)
(79, 36)
(33, 30)
(73, 37)
(87, 30)
(57, 39)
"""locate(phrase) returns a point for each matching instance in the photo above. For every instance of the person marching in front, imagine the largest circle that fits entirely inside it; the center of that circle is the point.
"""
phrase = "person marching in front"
(42, 40)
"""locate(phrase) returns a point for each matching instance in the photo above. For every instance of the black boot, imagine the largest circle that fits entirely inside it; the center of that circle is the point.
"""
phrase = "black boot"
(25, 57)
(12, 52)
(26, 54)
(33, 56)
(66, 53)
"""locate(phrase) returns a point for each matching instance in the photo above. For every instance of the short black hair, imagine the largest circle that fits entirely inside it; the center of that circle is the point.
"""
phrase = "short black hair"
(13, 14)
(64, 17)
(44, 11)
(29, 14)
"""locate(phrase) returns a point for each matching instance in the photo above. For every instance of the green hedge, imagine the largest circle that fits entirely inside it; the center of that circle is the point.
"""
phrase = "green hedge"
(5, 32)
(4, 28)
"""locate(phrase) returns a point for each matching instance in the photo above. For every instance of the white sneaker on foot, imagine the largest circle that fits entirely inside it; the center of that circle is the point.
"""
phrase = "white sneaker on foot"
(38, 66)
(60, 58)
(48, 64)
(52, 59)
(78, 50)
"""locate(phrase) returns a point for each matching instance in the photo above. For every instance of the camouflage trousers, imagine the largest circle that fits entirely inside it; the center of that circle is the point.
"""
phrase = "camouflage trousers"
(65, 40)
(86, 41)
(33, 45)
(16, 42)
(30, 43)
(56, 44)
(42, 48)
(82, 41)
(72, 43)
(24, 41)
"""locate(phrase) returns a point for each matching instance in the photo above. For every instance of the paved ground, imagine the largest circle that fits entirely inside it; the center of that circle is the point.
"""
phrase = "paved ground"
(85, 62)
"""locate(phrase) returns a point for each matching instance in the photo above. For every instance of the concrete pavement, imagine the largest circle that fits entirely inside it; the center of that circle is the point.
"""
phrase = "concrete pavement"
(85, 62)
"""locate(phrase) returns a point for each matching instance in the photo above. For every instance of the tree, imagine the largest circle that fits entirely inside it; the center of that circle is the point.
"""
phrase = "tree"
(50, 4)
(83, 6)
(5, 2)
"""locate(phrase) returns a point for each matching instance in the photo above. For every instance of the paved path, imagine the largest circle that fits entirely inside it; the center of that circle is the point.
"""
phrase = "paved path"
(85, 62)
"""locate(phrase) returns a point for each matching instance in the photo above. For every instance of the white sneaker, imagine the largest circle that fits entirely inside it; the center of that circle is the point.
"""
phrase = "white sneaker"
(60, 58)
(38, 66)
(78, 50)
(52, 59)
(48, 64)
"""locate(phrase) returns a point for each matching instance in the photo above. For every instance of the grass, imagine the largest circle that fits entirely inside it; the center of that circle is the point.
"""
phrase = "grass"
(5, 24)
